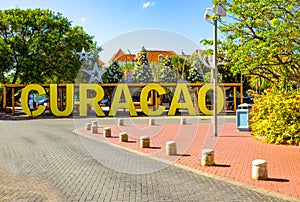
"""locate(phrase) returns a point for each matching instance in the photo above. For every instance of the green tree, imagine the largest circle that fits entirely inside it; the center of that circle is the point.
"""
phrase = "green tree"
(39, 46)
(181, 65)
(207, 77)
(142, 72)
(113, 73)
(127, 67)
(195, 74)
(225, 73)
(259, 84)
(167, 73)
(263, 39)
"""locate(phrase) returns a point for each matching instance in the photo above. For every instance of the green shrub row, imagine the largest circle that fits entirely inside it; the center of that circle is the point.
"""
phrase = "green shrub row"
(276, 116)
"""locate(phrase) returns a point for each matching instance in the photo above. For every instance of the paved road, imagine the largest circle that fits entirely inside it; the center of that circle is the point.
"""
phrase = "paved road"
(43, 160)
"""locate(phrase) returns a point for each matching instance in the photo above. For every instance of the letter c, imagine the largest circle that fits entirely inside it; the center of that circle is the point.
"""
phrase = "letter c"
(24, 99)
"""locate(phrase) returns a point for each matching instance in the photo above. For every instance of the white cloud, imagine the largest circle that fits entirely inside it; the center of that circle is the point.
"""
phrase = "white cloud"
(148, 4)
(83, 19)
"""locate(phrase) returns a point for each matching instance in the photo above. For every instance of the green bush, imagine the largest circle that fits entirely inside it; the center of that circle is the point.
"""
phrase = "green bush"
(276, 115)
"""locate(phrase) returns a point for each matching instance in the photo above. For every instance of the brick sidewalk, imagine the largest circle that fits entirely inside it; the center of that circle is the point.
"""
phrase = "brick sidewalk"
(234, 152)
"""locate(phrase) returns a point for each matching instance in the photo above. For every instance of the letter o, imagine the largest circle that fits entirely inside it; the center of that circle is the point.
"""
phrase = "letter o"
(202, 100)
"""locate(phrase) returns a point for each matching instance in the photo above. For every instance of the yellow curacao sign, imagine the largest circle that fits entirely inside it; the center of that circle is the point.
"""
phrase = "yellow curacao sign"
(181, 100)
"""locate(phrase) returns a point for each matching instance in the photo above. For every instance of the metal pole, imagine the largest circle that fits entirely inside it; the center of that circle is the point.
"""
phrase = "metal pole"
(215, 80)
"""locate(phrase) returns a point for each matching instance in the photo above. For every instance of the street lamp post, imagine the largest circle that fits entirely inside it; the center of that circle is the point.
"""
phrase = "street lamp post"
(217, 11)
(215, 80)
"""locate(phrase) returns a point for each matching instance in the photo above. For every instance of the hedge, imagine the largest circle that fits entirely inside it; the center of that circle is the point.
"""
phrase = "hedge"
(276, 116)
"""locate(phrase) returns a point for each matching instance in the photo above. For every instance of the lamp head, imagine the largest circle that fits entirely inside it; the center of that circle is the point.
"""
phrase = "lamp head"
(206, 15)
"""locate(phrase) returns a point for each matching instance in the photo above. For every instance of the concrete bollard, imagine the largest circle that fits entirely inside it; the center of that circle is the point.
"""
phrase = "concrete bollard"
(183, 121)
(151, 122)
(94, 129)
(171, 148)
(123, 137)
(259, 169)
(207, 157)
(107, 132)
(95, 123)
(120, 122)
(144, 142)
(88, 126)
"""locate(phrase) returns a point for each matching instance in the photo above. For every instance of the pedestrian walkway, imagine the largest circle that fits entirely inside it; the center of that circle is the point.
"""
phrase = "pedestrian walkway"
(234, 152)
(43, 160)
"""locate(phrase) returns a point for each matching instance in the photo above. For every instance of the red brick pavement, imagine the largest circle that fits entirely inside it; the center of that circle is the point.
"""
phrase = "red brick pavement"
(234, 152)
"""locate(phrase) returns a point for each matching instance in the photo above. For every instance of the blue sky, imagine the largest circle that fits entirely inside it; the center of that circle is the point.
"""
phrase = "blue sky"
(106, 19)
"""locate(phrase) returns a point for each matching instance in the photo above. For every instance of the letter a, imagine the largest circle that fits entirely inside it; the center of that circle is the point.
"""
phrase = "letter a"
(84, 101)
(181, 89)
(127, 104)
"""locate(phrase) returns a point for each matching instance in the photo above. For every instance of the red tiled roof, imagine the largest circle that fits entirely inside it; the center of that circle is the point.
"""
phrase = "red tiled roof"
(100, 61)
(152, 55)
(126, 58)
(117, 55)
